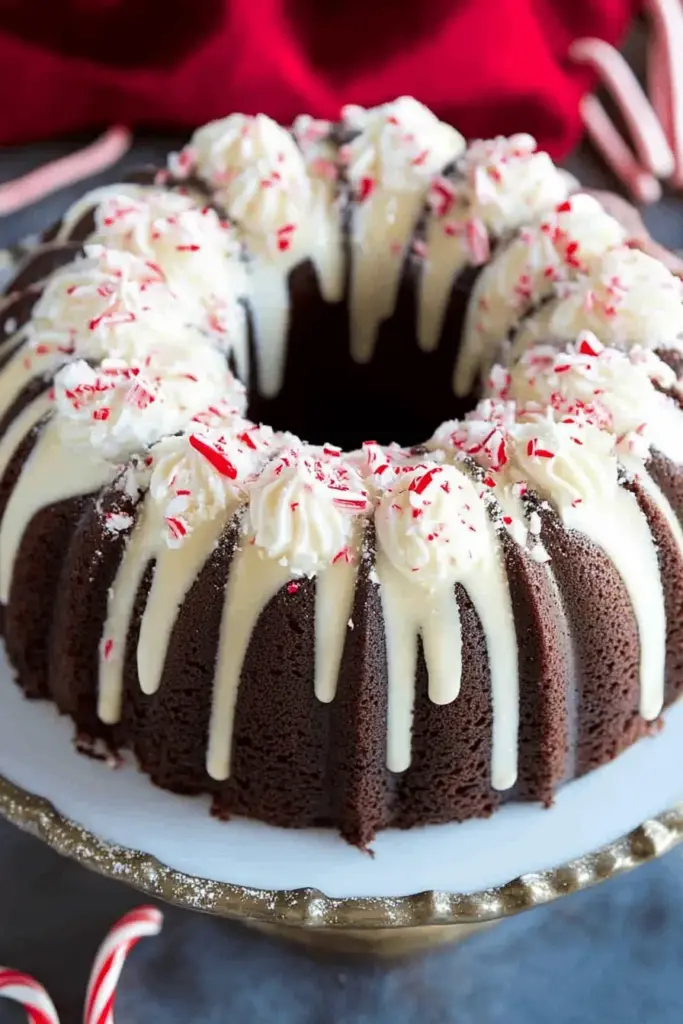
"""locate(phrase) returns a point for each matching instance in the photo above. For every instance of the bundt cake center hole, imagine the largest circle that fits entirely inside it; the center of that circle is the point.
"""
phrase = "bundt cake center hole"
(348, 418)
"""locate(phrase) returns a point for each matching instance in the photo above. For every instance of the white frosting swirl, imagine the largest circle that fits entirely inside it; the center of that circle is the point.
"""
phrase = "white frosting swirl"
(302, 510)
(117, 305)
(256, 169)
(611, 389)
(122, 408)
(198, 475)
(196, 251)
(105, 304)
(400, 145)
(569, 460)
(433, 525)
(558, 248)
(508, 182)
(482, 435)
(568, 463)
(194, 373)
(628, 298)
(89, 201)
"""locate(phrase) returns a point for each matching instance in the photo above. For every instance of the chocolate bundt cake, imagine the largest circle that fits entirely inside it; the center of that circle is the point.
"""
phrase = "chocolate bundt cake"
(480, 604)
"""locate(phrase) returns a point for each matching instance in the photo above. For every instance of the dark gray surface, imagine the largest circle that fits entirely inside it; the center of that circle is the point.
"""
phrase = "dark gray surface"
(614, 954)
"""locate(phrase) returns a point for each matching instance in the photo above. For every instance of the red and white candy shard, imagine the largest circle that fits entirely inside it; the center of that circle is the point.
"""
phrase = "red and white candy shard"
(433, 525)
(198, 475)
(302, 508)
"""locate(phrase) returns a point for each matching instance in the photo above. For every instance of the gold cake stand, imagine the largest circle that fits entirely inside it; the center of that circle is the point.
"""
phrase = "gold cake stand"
(383, 925)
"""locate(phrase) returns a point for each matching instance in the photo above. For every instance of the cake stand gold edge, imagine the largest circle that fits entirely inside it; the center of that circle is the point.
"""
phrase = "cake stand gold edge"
(309, 908)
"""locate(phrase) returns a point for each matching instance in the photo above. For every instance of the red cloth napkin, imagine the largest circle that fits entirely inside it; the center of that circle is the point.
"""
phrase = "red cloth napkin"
(487, 66)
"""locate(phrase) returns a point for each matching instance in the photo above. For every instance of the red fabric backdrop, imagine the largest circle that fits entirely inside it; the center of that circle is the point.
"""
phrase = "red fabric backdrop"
(488, 66)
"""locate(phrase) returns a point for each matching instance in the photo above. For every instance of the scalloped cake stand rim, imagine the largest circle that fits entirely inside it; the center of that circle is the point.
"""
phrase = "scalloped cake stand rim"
(119, 824)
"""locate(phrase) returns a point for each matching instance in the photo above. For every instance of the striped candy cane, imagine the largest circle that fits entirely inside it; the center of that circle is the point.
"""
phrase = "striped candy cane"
(22, 988)
(109, 962)
(99, 156)
(654, 121)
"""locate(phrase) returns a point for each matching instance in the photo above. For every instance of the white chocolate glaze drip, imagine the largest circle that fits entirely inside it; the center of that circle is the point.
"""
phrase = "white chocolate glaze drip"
(51, 474)
(17, 372)
(314, 235)
(189, 502)
(251, 585)
(270, 297)
(623, 534)
(175, 570)
(334, 593)
(284, 212)
(411, 612)
(433, 508)
(400, 146)
(122, 595)
(406, 611)
(658, 497)
(501, 184)
(446, 256)
(14, 339)
(387, 219)
(20, 427)
(490, 596)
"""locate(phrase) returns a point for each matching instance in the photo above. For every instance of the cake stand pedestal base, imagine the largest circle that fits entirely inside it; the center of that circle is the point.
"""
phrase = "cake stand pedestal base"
(382, 942)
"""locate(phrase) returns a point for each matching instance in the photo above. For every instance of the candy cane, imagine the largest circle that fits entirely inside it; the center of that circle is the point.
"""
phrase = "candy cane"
(646, 130)
(665, 74)
(655, 123)
(66, 170)
(110, 959)
(608, 141)
(24, 989)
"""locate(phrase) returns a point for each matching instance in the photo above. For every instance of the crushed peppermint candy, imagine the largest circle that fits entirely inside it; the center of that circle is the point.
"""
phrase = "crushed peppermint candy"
(589, 383)
(195, 250)
(201, 476)
(433, 525)
(258, 173)
(399, 146)
(117, 522)
(117, 410)
(302, 509)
